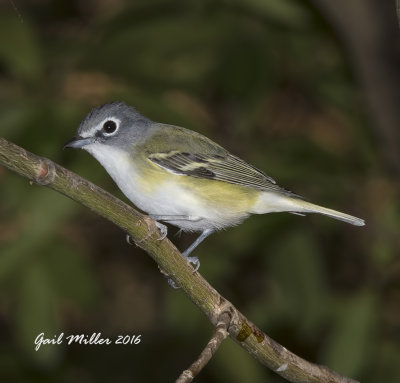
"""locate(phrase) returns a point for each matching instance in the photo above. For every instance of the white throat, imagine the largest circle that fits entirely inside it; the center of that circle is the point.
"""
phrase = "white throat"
(116, 161)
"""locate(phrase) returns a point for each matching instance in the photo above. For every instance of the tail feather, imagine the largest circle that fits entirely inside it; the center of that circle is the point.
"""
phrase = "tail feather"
(270, 202)
(307, 207)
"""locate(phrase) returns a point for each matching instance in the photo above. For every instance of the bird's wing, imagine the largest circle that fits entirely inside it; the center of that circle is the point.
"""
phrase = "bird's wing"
(208, 160)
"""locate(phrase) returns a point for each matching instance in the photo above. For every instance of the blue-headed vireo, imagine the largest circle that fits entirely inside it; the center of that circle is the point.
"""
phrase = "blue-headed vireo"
(181, 177)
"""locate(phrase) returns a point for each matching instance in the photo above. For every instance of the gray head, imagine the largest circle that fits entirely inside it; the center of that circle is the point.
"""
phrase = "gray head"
(112, 124)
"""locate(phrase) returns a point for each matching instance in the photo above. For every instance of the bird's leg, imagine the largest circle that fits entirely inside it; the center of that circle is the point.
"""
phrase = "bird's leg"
(163, 229)
(194, 260)
(192, 218)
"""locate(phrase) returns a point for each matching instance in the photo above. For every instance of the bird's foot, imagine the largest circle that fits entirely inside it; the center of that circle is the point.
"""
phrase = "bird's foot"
(129, 239)
(163, 230)
(194, 261)
(173, 284)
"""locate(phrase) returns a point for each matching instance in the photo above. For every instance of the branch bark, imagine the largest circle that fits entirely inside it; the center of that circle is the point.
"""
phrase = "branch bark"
(144, 232)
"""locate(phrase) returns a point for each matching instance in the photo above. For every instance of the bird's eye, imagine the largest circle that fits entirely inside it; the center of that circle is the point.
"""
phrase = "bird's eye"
(109, 127)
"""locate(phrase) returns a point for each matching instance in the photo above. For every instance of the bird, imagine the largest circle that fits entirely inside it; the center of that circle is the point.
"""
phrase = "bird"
(180, 177)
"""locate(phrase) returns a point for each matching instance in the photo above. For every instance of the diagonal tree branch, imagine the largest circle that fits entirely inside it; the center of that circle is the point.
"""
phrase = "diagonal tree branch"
(145, 233)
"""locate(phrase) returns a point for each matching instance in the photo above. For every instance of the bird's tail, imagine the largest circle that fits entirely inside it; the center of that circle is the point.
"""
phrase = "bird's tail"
(308, 207)
(299, 206)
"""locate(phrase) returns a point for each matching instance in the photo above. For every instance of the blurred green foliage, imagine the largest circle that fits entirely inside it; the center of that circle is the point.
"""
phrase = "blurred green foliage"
(271, 82)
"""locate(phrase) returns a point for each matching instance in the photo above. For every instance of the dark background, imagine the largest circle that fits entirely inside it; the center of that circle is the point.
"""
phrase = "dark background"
(306, 90)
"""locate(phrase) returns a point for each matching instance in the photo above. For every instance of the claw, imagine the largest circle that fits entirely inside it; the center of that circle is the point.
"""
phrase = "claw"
(129, 239)
(173, 284)
(170, 281)
(163, 230)
(195, 262)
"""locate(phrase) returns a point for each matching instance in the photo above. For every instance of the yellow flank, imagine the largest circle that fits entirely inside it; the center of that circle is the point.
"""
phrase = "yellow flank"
(236, 198)
(212, 194)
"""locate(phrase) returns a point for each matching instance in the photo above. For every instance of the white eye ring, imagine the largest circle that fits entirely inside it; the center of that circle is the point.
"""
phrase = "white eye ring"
(110, 126)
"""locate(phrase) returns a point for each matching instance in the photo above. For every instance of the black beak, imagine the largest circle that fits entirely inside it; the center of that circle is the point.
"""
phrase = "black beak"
(78, 142)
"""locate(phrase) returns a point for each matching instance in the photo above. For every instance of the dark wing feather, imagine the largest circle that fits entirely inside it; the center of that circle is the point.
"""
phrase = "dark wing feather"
(226, 168)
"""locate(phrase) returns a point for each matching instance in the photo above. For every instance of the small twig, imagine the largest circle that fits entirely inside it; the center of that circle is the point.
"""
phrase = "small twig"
(16, 11)
(220, 334)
